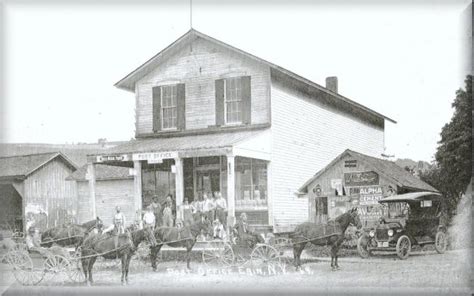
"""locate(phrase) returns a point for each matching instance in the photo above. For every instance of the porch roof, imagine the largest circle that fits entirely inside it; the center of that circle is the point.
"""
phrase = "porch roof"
(190, 143)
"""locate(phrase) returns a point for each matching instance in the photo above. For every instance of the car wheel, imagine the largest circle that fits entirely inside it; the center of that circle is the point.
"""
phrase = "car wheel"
(440, 242)
(403, 247)
(362, 246)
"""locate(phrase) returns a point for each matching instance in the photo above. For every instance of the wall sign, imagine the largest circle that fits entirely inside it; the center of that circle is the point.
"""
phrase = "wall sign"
(361, 178)
(154, 156)
(112, 158)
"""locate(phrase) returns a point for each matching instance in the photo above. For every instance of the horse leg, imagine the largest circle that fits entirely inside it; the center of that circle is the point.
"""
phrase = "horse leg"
(91, 264)
(129, 258)
(124, 260)
(297, 250)
(85, 268)
(153, 254)
(333, 257)
(189, 247)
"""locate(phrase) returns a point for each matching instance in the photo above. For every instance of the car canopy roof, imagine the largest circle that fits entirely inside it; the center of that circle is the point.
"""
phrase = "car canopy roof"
(412, 197)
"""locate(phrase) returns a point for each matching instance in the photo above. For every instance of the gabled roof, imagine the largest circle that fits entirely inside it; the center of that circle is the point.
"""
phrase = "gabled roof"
(102, 172)
(388, 169)
(20, 167)
(128, 82)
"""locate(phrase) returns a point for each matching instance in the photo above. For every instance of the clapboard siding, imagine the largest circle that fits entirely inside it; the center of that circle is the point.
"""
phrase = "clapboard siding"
(306, 136)
(198, 66)
(47, 189)
(109, 194)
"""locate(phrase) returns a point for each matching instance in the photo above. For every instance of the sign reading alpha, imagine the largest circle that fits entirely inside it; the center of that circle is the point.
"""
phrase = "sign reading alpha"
(361, 178)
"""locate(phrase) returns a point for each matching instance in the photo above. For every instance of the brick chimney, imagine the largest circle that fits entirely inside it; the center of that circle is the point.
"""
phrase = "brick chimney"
(331, 83)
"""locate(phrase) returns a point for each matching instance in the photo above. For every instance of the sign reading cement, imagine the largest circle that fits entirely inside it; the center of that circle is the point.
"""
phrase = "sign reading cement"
(112, 158)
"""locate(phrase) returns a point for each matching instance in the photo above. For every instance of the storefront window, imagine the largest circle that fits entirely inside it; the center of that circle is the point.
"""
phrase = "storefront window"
(250, 182)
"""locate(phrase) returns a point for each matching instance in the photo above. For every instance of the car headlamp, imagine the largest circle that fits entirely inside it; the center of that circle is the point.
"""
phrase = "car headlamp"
(372, 233)
(390, 232)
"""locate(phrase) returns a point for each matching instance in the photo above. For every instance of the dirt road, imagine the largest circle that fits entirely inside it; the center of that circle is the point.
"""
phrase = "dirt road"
(423, 272)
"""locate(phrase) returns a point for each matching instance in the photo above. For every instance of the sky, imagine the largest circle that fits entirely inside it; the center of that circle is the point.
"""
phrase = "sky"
(61, 60)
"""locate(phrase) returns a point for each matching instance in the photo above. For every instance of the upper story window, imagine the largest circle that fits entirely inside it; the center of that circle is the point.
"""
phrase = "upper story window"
(233, 101)
(169, 107)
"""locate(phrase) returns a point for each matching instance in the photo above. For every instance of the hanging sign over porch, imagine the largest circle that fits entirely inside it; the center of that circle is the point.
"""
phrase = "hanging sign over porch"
(112, 158)
(155, 157)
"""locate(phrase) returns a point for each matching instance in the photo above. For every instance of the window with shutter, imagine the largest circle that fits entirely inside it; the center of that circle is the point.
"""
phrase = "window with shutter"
(235, 102)
(169, 107)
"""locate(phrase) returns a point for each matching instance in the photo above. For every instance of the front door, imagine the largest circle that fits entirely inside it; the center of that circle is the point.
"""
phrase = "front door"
(207, 182)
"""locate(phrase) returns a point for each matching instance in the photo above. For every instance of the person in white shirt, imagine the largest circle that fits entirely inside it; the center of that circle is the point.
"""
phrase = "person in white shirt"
(221, 208)
(149, 218)
(118, 225)
(219, 230)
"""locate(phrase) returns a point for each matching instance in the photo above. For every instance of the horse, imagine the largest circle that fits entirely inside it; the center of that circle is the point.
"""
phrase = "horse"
(111, 246)
(179, 237)
(321, 235)
(68, 235)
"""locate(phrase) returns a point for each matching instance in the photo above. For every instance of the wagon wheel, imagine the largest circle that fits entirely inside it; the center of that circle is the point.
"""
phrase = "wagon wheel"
(403, 247)
(264, 255)
(281, 244)
(24, 271)
(218, 253)
(74, 271)
(440, 242)
(54, 265)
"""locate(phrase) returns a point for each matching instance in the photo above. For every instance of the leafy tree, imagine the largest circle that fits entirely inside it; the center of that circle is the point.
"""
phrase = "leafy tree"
(452, 168)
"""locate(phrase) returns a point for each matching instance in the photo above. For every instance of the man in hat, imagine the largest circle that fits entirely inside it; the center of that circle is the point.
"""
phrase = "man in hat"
(244, 234)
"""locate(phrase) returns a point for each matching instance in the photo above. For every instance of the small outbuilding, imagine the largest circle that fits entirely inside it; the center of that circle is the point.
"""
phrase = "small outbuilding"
(356, 179)
(34, 190)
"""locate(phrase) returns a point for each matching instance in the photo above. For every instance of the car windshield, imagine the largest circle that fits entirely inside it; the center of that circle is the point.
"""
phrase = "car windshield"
(396, 210)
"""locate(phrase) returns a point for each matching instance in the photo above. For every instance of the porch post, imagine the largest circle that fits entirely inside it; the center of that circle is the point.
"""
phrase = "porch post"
(91, 178)
(137, 187)
(179, 175)
(230, 190)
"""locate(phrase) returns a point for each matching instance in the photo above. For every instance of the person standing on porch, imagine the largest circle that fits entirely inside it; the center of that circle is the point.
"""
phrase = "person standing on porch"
(149, 218)
(167, 216)
(221, 208)
(209, 207)
(157, 211)
(187, 213)
(119, 221)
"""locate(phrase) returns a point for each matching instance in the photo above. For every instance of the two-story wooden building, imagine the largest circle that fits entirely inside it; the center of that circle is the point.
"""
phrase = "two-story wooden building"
(212, 117)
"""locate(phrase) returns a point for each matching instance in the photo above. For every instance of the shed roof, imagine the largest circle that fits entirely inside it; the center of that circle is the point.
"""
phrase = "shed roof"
(386, 168)
(411, 197)
(19, 167)
(102, 172)
(191, 142)
(128, 82)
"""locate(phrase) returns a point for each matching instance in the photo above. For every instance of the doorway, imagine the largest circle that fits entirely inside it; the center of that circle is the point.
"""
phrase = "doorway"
(207, 182)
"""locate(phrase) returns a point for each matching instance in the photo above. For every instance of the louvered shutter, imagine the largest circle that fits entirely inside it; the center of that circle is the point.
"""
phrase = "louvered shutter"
(156, 108)
(181, 106)
(246, 101)
(220, 102)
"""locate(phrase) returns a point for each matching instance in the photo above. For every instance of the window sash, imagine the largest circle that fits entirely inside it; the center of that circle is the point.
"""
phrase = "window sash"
(169, 107)
(233, 100)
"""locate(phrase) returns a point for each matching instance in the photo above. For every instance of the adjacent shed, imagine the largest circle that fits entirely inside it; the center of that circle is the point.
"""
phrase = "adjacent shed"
(356, 179)
(114, 187)
(34, 190)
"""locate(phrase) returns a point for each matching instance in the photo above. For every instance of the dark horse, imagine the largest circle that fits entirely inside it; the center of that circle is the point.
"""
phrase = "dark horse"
(112, 246)
(68, 235)
(179, 237)
(322, 235)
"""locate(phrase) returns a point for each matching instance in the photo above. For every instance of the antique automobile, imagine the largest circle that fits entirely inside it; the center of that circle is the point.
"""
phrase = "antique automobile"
(408, 219)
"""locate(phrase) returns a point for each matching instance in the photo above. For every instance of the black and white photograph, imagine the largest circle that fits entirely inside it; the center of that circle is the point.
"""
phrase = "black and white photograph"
(236, 147)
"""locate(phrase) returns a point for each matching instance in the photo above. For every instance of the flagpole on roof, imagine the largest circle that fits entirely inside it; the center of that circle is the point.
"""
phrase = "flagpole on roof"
(191, 13)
